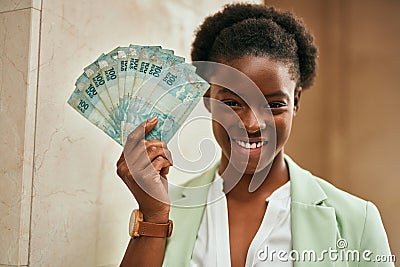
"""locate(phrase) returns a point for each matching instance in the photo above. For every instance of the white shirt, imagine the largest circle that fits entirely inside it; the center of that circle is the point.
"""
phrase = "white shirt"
(274, 235)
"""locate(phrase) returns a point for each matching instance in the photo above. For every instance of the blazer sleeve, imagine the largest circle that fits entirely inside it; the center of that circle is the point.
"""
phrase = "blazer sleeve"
(374, 246)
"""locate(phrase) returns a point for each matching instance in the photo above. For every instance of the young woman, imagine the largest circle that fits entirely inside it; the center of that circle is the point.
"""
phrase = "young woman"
(292, 218)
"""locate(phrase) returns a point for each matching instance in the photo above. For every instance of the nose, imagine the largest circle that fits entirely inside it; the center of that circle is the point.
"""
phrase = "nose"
(253, 120)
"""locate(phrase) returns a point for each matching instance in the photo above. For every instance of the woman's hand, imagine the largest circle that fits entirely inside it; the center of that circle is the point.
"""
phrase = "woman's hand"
(143, 167)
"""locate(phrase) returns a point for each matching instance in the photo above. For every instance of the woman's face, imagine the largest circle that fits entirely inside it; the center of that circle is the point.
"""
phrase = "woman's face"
(252, 125)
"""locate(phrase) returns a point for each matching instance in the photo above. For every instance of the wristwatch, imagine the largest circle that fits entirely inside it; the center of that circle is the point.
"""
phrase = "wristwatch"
(137, 227)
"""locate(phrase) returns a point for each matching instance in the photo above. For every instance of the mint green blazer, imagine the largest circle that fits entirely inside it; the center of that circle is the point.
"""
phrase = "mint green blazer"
(321, 215)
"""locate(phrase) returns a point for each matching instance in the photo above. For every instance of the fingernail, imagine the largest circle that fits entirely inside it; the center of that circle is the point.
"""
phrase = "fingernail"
(152, 119)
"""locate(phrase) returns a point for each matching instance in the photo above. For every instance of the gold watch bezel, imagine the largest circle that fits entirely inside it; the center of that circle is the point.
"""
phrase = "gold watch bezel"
(136, 217)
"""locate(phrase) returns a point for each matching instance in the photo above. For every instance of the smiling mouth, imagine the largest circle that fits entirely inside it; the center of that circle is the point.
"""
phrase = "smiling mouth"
(250, 145)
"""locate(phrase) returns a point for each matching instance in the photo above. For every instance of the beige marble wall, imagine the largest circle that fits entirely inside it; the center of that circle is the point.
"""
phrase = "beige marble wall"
(19, 36)
(13, 5)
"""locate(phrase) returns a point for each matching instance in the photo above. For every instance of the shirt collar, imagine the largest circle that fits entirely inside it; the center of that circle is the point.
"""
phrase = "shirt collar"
(282, 192)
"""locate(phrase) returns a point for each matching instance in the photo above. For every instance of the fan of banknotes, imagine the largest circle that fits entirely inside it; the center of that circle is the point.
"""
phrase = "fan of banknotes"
(128, 85)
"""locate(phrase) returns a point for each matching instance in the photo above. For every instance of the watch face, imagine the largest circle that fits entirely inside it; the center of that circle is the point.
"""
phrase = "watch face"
(134, 223)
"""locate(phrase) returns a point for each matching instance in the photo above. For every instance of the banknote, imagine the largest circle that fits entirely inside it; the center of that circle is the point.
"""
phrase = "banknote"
(143, 64)
(170, 97)
(147, 95)
(85, 87)
(108, 67)
(173, 77)
(128, 61)
(170, 122)
(129, 84)
(93, 72)
(114, 55)
(81, 104)
(132, 63)
(159, 60)
(145, 68)
(175, 105)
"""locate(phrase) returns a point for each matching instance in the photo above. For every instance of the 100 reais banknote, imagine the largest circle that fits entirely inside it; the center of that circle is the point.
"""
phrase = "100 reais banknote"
(128, 85)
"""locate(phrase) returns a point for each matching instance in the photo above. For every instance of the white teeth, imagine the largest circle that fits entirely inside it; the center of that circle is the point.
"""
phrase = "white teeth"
(248, 145)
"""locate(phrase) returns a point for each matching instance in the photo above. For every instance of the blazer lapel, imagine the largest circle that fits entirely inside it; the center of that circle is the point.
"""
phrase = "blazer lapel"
(187, 208)
(314, 226)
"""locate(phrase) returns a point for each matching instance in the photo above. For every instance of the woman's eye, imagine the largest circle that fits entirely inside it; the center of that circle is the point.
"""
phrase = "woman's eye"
(231, 103)
(276, 105)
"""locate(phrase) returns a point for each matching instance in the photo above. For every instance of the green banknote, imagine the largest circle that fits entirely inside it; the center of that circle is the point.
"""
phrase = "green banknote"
(93, 72)
(85, 87)
(171, 97)
(108, 67)
(129, 84)
(81, 104)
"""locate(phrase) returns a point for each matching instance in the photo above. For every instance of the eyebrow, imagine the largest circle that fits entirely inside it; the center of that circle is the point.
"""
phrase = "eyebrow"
(277, 93)
(227, 91)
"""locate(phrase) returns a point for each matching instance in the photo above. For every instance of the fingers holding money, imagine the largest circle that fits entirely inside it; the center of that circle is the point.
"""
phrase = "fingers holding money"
(148, 155)
(154, 151)
(140, 152)
(144, 164)
(139, 133)
(147, 186)
(161, 166)
(146, 151)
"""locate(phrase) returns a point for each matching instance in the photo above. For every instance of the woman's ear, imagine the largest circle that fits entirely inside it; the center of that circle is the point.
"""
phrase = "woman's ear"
(297, 96)
(206, 100)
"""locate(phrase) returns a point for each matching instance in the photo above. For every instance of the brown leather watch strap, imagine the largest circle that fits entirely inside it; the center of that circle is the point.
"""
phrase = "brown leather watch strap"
(137, 227)
(155, 229)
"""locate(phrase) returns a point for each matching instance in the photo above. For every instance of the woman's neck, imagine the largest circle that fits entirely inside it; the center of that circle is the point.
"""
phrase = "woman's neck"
(271, 178)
